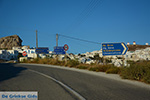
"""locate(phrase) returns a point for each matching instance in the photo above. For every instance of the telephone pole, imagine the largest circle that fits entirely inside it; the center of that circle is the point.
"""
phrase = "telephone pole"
(36, 39)
(56, 40)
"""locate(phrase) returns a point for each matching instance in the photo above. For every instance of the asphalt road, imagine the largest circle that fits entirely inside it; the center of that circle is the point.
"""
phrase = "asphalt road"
(49, 81)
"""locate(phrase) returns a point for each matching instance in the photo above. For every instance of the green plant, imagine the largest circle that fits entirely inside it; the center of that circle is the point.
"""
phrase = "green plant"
(139, 71)
(24, 61)
(99, 68)
(146, 78)
(19, 55)
(72, 63)
(83, 66)
(94, 69)
(113, 70)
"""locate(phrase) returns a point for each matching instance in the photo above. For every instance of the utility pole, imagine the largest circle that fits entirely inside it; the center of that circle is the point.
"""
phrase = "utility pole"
(36, 39)
(56, 40)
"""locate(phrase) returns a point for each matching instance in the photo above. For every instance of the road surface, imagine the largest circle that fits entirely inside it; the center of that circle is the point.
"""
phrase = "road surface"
(62, 84)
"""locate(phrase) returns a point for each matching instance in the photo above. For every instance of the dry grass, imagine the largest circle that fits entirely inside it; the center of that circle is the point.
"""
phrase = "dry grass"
(139, 71)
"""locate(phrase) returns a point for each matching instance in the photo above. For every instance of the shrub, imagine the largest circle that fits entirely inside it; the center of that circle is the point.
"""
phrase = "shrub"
(83, 66)
(100, 68)
(131, 62)
(113, 70)
(139, 71)
(93, 69)
(146, 78)
(104, 68)
(35, 60)
(135, 72)
(25, 61)
(72, 63)
(55, 62)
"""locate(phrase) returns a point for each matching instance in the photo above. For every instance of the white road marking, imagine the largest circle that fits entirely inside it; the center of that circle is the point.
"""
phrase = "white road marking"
(62, 84)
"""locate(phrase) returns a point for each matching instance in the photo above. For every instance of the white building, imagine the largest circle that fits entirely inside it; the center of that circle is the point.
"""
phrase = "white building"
(143, 54)
(9, 54)
(25, 47)
(31, 53)
(134, 43)
(146, 44)
(18, 49)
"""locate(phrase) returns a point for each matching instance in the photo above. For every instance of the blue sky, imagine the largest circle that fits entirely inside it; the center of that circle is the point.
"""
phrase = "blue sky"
(94, 20)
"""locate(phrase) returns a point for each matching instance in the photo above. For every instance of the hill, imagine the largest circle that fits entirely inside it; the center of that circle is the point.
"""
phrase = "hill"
(10, 41)
(136, 47)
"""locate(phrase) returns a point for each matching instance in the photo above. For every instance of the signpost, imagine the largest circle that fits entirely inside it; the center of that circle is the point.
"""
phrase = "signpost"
(59, 50)
(24, 53)
(66, 47)
(109, 49)
(42, 50)
(114, 49)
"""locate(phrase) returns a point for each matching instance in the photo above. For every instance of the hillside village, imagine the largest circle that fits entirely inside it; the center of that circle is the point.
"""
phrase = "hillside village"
(135, 53)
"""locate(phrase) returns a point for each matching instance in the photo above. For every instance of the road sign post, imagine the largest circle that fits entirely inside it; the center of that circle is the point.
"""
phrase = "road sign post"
(24, 53)
(41, 50)
(66, 47)
(59, 50)
(123, 60)
(104, 60)
(109, 49)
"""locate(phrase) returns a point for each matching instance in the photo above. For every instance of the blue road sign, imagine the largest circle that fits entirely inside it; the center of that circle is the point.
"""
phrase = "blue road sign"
(114, 49)
(42, 50)
(59, 50)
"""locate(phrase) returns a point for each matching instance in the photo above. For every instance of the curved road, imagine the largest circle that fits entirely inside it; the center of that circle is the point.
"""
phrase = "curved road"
(50, 82)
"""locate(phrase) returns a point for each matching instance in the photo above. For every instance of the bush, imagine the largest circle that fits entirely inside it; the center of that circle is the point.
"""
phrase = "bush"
(72, 63)
(104, 68)
(83, 66)
(25, 61)
(139, 71)
(94, 68)
(35, 60)
(113, 70)
(146, 78)
(100, 68)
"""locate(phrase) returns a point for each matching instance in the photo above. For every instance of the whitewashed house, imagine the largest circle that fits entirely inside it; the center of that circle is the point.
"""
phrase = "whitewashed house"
(31, 53)
(9, 54)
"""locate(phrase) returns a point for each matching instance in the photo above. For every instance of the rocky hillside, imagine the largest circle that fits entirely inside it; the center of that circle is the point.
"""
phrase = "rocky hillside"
(10, 41)
(136, 47)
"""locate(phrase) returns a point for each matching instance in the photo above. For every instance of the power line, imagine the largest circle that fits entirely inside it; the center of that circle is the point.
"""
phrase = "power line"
(85, 14)
(79, 39)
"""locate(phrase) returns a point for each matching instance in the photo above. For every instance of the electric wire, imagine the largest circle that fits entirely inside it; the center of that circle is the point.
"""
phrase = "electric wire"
(79, 39)
(84, 14)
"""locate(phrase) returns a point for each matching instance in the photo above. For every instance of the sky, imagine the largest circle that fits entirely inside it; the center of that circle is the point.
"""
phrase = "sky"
(98, 21)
